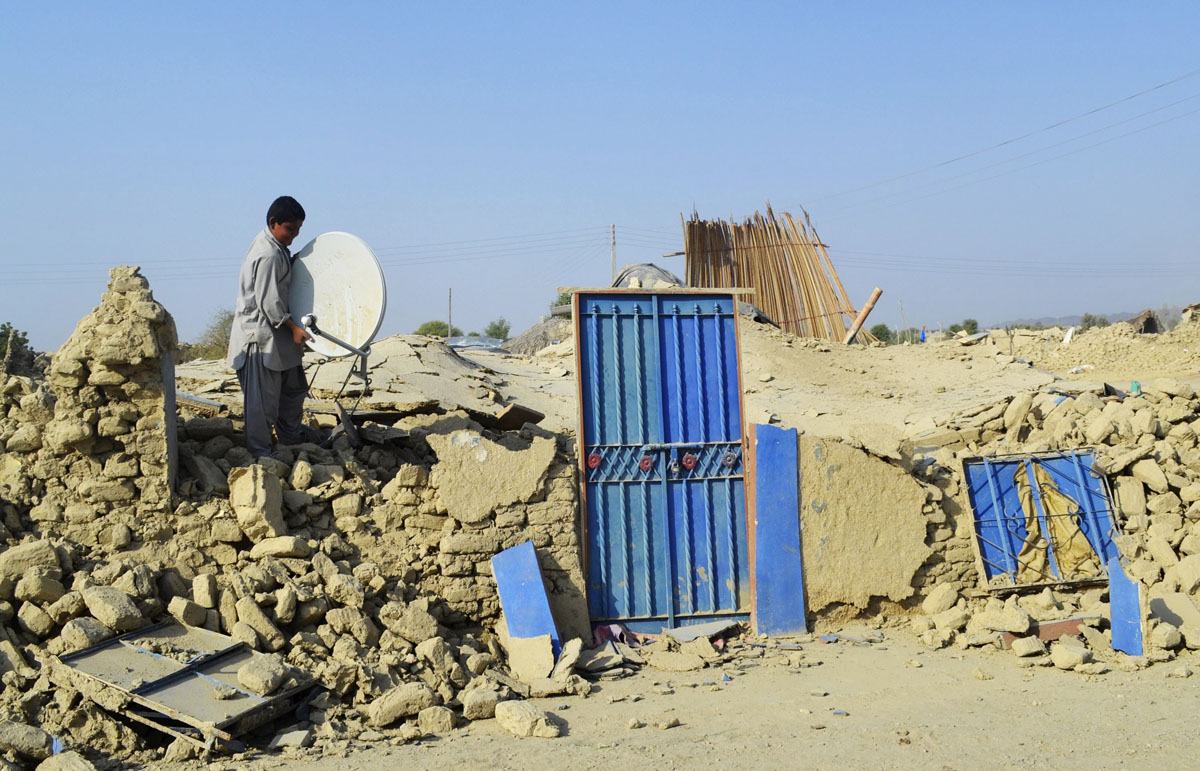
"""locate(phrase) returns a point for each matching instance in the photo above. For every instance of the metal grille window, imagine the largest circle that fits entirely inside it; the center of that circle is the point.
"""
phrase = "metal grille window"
(1040, 519)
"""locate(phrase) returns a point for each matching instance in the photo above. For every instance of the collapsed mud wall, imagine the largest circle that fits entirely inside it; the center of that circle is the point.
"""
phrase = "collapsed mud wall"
(88, 449)
(367, 566)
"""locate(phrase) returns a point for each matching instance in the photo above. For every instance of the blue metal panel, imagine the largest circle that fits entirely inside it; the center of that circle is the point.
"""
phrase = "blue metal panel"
(662, 444)
(523, 594)
(778, 570)
(1000, 521)
(1125, 604)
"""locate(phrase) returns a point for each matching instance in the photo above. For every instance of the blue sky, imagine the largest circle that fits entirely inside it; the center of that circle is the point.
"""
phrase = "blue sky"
(486, 147)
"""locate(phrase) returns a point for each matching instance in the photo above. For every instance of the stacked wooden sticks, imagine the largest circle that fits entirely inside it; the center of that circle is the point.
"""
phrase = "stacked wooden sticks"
(783, 261)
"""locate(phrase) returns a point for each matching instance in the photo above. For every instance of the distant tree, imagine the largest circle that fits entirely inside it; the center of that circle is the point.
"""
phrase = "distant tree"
(970, 326)
(1088, 320)
(19, 338)
(954, 328)
(437, 329)
(1169, 316)
(214, 340)
(498, 329)
(562, 299)
(883, 334)
(910, 335)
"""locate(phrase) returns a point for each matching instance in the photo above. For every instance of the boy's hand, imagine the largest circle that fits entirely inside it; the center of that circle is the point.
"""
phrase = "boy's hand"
(300, 335)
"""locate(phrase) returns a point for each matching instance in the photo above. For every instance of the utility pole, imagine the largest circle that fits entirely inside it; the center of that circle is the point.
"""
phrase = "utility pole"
(903, 319)
(612, 245)
(449, 313)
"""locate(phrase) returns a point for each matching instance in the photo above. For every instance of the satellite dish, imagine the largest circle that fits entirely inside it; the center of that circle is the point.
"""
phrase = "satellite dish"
(337, 279)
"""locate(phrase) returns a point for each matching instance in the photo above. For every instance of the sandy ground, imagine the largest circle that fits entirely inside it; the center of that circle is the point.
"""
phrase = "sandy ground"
(769, 715)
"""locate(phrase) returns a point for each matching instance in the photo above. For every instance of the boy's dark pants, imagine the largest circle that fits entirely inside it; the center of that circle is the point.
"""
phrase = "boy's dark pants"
(271, 399)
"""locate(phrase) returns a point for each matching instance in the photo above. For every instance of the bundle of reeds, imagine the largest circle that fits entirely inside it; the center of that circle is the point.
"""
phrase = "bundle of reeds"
(783, 261)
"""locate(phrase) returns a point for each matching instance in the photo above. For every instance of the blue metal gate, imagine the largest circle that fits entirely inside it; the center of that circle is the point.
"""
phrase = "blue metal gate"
(661, 452)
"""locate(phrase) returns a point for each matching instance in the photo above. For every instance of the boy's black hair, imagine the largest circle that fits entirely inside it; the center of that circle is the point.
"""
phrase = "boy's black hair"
(285, 209)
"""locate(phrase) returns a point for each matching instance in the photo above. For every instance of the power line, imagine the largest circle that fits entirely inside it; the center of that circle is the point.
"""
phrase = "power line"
(1042, 161)
(1009, 141)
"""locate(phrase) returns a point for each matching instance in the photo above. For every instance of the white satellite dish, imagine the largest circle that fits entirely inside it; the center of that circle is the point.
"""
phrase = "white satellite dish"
(338, 293)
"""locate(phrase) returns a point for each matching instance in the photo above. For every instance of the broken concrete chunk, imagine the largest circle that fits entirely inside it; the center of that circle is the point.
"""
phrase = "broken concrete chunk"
(282, 546)
(15, 561)
(113, 608)
(415, 625)
(529, 658)
(435, 720)
(523, 719)
(1149, 473)
(257, 499)
(35, 620)
(37, 586)
(1068, 655)
(29, 741)
(479, 704)
(942, 598)
(262, 674)
(85, 632)
(345, 590)
(253, 616)
(674, 661)
(187, 612)
(567, 659)
(204, 590)
(402, 701)
(66, 761)
(1028, 646)
(1165, 636)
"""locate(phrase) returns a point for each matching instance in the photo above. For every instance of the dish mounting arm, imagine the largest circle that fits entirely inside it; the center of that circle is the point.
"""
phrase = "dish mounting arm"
(309, 322)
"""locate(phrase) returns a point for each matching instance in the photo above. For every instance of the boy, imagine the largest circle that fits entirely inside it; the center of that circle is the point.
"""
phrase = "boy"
(265, 343)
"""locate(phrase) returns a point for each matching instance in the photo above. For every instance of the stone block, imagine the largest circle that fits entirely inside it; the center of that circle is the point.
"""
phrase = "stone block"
(35, 620)
(1069, 655)
(187, 612)
(1028, 646)
(25, 740)
(16, 560)
(521, 718)
(1148, 472)
(204, 590)
(263, 674)
(253, 616)
(37, 586)
(113, 608)
(281, 546)
(257, 499)
(435, 720)
(84, 632)
(941, 598)
(402, 701)
(479, 704)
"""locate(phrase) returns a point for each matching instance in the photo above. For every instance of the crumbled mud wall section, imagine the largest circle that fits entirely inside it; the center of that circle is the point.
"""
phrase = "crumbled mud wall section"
(864, 526)
(86, 449)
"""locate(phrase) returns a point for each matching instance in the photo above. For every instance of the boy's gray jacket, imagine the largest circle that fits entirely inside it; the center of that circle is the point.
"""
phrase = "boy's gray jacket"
(262, 307)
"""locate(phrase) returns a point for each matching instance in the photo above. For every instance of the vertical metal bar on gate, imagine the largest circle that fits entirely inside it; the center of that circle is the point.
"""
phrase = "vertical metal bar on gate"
(1010, 556)
(1088, 510)
(1041, 516)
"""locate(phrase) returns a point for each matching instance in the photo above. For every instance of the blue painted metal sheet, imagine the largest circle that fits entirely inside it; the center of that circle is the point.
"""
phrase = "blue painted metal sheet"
(660, 406)
(1125, 608)
(778, 569)
(523, 594)
(1000, 521)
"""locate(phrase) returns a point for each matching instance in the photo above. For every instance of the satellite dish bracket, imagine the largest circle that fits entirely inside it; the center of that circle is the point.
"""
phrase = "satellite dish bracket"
(309, 322)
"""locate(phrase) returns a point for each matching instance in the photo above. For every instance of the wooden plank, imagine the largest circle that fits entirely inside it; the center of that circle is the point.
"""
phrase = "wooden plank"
(779, 607)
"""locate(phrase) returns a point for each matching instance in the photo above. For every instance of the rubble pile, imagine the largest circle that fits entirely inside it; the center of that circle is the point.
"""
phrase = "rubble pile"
(1147, 447)
(368, 567)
